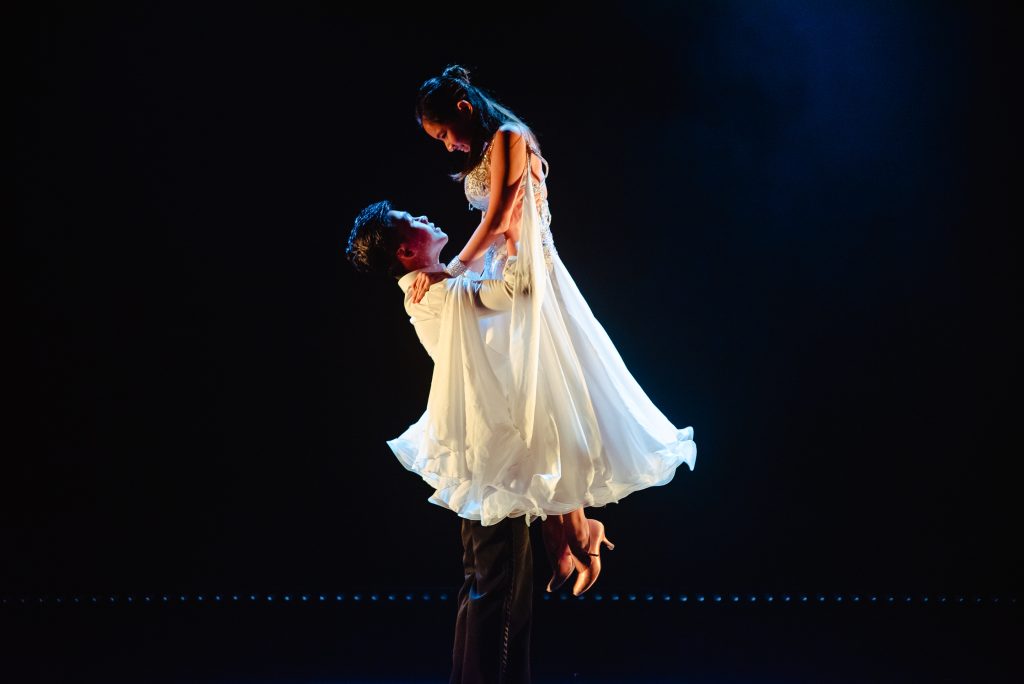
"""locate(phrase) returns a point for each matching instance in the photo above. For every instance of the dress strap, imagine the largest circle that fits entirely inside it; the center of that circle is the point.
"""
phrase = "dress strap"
(544, 162)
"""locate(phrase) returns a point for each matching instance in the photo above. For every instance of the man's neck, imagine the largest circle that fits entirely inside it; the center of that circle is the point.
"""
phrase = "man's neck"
(430, 266)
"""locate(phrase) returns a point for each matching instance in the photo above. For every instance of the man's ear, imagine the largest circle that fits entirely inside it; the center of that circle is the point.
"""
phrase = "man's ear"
(403, 251)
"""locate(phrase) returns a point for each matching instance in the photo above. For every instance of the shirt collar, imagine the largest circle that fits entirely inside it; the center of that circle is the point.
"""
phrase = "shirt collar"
(406, 281)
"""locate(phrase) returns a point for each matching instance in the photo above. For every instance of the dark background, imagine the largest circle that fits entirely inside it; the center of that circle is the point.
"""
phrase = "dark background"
(794, 219)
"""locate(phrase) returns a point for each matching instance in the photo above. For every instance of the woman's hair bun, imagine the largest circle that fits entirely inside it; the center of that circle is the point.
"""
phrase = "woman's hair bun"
(456, 72)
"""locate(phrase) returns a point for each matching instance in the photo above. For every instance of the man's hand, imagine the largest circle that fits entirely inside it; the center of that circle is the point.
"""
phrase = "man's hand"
(423, 282)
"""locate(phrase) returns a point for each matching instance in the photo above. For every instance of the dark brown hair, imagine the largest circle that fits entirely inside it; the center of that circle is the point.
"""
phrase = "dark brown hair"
(373, 241)
(437, 99)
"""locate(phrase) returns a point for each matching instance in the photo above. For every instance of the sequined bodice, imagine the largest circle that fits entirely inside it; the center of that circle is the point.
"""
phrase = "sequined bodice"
(477, 186)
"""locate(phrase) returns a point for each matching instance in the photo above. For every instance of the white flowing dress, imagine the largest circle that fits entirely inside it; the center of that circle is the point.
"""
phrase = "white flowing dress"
(532, 411)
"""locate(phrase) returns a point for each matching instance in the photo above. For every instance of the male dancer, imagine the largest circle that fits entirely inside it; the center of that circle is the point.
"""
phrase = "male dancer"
(492, 626)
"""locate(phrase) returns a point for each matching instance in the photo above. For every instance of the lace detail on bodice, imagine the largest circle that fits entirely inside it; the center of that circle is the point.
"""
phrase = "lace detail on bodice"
(477, 186)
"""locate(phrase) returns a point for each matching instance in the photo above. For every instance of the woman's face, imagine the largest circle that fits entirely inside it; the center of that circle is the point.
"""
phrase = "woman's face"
(454, 135)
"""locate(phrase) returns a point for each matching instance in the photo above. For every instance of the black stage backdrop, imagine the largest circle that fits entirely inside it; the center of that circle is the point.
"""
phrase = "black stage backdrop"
(793, 219)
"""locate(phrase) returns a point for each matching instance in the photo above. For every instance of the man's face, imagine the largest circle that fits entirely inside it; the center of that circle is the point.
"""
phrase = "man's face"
(421, 240)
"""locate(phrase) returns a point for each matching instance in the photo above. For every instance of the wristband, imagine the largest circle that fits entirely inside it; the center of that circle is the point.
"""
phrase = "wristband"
(456, 267)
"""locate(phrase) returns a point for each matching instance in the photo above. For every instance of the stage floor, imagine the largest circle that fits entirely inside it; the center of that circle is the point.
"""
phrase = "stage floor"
(403, 637)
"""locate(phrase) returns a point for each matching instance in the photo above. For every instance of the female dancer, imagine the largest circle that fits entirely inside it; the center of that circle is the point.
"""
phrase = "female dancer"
(592, 434)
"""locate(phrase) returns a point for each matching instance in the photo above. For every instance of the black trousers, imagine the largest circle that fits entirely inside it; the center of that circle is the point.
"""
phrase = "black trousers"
(492, 627)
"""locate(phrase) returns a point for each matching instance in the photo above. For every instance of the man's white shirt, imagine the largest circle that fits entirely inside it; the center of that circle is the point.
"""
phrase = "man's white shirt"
(489, 298)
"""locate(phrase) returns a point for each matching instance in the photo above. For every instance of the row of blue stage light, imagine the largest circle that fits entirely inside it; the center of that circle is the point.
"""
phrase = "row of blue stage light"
(410, 597)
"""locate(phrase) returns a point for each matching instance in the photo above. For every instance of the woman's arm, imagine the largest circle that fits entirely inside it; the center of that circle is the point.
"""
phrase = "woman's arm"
(504, 206)
(508, 162)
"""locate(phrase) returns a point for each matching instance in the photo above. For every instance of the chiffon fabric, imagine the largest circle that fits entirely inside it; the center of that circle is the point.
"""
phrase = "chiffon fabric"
(532, 411)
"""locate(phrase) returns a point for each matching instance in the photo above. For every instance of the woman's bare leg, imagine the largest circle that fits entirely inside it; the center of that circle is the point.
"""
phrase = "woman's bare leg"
(557, 547)
(554, 539)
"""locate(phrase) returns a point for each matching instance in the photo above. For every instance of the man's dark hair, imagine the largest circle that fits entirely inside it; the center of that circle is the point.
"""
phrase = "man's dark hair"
(374, 240)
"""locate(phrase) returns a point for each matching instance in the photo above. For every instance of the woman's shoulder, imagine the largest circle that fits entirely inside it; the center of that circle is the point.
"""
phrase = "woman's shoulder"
(513, 127)
(510, 133)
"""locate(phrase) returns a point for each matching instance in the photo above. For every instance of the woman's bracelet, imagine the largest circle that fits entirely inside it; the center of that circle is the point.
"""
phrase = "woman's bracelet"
(456, 267)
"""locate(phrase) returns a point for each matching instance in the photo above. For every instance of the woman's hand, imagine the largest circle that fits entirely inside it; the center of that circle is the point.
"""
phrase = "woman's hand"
(423, 282)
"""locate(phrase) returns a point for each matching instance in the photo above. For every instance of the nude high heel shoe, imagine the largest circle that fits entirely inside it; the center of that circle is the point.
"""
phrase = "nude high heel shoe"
(566, 566)
(588, 575)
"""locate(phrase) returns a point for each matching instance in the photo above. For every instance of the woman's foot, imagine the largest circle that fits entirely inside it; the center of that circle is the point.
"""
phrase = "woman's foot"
(588, 575)
(577, 536)
(559, 556)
